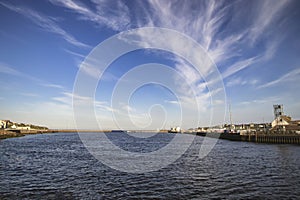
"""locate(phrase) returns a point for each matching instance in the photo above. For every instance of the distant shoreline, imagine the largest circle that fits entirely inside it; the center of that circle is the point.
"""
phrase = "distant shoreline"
(78, 130)
(12, 133)
(9, 134)
(258, 138)
(4, 134)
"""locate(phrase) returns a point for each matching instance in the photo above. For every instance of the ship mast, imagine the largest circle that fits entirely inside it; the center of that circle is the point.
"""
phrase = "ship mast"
(230, 115)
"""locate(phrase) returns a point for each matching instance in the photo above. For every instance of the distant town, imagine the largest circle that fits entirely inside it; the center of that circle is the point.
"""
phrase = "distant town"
(283, 129)
(9, 125)
(280, 126)
(13, 129)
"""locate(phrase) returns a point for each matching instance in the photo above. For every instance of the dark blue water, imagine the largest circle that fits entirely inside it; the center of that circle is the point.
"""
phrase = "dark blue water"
(57, 166)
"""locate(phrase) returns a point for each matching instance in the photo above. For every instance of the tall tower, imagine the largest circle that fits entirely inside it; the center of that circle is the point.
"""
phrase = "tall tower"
(278, 110)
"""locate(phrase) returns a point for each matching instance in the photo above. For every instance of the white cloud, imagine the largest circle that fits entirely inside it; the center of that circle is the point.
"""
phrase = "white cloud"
(234, 81)
(103, 106)
(266, 13)
(207, 22)
(203, 25)
(127, 108)
(9, 70)
(71, 99)
(191, 75)
(46, 23)
(6, 69)
(269, 100)
(75, 53)
(113, 14)
(293, 75)
(53, 85)
(172, 102)
(29, 94)
(67, 98)
(91, 69)
(94, 69)
(214, 24)
(238, 66)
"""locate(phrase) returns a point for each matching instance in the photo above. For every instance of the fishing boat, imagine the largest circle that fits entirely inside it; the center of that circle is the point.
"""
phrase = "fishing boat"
(175, 129)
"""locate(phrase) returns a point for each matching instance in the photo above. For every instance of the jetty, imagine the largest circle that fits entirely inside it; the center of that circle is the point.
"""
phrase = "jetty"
(282, 130)
(258, 137)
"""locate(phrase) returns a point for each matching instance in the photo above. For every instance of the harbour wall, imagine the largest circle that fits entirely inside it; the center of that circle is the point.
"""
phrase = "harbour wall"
(259, 137)
(278, 139)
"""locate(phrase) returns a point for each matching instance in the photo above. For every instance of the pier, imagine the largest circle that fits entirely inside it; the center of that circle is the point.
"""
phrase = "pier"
(276, 138)
(258, 137)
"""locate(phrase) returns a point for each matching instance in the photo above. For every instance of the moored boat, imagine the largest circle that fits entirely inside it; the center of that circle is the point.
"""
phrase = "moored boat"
(176, 129)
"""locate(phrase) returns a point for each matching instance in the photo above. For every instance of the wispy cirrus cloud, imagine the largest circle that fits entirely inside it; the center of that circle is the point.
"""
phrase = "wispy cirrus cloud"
(267, 14)
(172, 102)
(234, 81)
(209, 22)
(240, 65)
(9, 70)
(45, 23)
(29, 94)
(292, 75)
(231, 38)
(6, 69)
(50, 85)
(273, 99)
(203, 24)
(112, 14)
(75, 54)
(69, 99)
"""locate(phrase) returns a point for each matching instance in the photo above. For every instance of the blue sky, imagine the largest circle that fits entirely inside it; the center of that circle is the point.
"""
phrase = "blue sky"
(255, 46)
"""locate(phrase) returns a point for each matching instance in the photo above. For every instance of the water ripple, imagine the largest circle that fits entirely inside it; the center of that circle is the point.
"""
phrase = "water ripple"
(57, 166)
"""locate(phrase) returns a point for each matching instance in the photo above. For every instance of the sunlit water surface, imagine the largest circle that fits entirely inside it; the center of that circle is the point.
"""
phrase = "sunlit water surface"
(54, 166)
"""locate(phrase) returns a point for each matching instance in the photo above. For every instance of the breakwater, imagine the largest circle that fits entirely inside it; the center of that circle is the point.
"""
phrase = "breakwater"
(279, 139)
(259, 137)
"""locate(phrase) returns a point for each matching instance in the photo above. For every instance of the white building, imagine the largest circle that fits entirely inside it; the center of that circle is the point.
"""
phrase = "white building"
(285, 123)
(4, 124)
(281, 120)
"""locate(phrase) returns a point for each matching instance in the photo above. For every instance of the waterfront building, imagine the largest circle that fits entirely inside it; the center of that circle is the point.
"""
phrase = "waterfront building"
(285, 124)
(5, 124)
(282, 122)
(2, 124)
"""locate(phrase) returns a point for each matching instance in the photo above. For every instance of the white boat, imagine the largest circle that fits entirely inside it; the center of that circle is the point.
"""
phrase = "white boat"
(175, 129)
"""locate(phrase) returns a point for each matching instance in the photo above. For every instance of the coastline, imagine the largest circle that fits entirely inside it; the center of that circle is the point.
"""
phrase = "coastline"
(4, 134)
(9, 134)
(257, 138)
